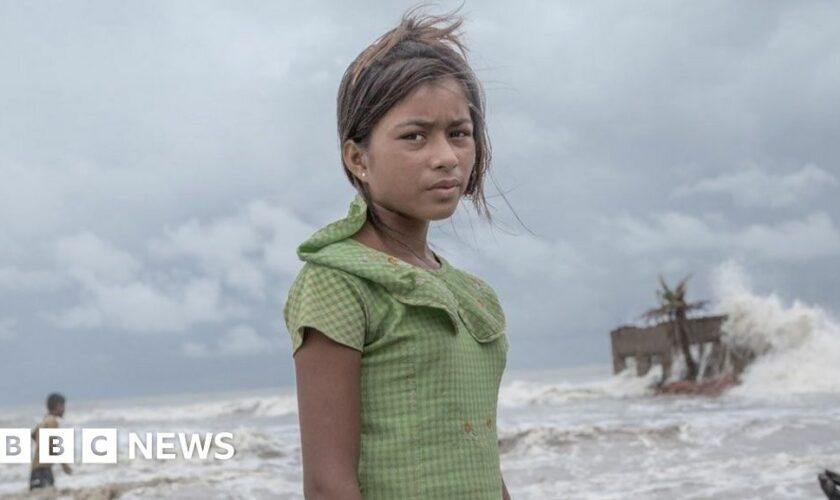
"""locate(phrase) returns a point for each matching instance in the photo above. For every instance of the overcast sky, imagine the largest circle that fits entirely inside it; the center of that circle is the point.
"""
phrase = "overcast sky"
(161, 161)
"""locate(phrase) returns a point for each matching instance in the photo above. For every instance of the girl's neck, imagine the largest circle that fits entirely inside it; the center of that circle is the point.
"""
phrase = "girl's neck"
(409, 247)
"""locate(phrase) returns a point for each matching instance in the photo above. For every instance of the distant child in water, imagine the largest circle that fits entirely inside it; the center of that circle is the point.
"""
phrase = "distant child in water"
(42, 475)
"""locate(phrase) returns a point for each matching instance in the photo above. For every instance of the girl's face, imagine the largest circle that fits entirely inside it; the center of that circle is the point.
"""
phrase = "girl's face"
(424, 139)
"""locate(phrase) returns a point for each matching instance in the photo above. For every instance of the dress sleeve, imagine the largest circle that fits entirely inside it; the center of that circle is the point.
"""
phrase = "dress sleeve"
(328, 300)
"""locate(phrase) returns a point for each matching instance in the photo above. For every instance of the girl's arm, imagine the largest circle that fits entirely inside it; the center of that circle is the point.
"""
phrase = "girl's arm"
(328, 394)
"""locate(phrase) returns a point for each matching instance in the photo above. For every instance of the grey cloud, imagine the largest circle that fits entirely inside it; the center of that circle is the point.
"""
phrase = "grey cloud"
(242, 340)
(7, 329)
(16, 279)
(195, 273)
(91, 260)
(143, 308)
(239, 249)
(755, 187)
(811, 237)
(160, 162)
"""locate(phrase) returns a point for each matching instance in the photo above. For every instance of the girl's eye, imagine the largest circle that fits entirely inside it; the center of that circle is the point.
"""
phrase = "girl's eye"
(411, 136)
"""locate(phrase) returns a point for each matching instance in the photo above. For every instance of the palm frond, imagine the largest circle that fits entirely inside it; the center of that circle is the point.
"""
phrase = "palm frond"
(680, 290)
(666, 292)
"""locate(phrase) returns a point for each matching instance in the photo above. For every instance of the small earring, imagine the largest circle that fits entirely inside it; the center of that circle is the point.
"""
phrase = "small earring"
(363, 174)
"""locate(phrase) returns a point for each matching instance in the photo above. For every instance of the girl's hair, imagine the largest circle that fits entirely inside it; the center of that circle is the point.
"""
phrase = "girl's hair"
(417, 51)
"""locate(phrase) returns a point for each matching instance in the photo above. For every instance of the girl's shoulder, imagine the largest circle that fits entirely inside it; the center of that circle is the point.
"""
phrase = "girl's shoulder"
(329, 300)
(314, 277)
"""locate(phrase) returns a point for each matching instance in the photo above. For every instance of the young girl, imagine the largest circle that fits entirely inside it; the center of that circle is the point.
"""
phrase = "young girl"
(399, 354)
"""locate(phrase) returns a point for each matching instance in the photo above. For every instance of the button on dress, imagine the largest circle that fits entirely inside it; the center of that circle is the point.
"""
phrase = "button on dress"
(433, 349)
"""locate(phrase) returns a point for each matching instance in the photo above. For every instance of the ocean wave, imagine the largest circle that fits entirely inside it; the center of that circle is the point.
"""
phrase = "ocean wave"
(105, 491)
(250, 441)
(272, 406)
(679, 429)
(797, 345)
(625, 384)
(547, 438)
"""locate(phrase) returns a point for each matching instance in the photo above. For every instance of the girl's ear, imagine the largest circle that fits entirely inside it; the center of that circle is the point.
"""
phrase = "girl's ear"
(355, 158)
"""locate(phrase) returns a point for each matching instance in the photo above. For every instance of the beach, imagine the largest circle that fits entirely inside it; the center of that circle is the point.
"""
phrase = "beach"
(575, 432)
(571, 433)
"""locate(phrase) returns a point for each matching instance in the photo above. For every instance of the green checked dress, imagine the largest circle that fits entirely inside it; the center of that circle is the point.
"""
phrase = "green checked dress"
(433, 347)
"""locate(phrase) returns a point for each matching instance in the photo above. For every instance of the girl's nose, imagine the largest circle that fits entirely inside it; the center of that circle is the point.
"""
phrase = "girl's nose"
(444, 153)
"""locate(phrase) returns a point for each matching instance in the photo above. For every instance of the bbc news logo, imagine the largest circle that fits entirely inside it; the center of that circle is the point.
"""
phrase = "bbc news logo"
(99, 446)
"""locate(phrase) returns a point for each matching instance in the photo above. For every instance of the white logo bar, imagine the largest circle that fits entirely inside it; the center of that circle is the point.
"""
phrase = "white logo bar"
(99, 446)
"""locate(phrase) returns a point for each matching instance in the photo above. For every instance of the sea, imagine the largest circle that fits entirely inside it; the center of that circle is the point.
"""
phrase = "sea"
(565, 433)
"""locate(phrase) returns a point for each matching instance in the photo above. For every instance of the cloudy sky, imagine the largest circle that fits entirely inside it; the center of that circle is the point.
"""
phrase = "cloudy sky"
(160, 162)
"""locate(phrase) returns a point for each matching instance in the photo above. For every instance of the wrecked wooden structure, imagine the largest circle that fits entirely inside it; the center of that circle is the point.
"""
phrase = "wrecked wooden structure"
(658, 344)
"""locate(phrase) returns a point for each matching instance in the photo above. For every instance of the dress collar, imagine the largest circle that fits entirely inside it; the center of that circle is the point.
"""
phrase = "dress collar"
(446, 288)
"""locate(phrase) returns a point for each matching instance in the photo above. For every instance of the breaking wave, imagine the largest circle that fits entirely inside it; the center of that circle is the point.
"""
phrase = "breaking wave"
(625, 384)
(797, 345)
(540, 439)
(270, 406)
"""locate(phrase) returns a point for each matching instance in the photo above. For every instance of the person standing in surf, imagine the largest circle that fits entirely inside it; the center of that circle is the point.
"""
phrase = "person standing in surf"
(398, 353)
(41, 474)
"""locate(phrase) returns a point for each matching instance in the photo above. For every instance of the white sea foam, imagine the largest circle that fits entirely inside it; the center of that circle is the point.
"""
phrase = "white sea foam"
(798, 345)
(235, 408)
(565, 433)
(561, 437)
(625, 384)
